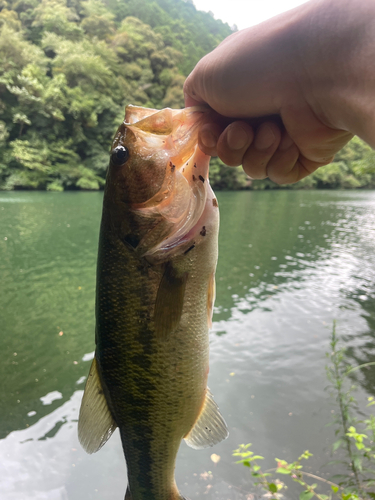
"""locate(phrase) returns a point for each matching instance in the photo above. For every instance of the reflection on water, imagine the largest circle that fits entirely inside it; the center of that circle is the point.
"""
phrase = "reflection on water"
(290, 263)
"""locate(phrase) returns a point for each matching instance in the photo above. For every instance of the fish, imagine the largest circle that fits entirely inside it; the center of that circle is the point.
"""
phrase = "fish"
(155, 293)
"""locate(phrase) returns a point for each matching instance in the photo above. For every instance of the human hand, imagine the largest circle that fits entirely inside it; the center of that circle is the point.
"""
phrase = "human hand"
(275, 71)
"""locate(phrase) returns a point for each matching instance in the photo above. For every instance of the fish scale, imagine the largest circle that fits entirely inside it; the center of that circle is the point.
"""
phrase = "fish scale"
(153, 307)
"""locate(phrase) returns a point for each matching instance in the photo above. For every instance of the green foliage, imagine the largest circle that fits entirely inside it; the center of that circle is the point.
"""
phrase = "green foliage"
(223, 177)
(358, 445)
(69, 67)
(275, 487)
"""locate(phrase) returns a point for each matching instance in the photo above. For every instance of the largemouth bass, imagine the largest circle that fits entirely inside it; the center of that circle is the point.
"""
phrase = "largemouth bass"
(155, 292)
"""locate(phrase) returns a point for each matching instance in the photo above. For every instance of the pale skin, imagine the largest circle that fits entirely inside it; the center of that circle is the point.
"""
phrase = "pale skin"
(290, 92)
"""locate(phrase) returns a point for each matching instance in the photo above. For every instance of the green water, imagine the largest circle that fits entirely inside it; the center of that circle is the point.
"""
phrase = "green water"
(290, 263)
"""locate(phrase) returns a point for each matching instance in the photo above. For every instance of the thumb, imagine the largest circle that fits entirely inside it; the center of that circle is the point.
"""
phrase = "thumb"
(192, 98)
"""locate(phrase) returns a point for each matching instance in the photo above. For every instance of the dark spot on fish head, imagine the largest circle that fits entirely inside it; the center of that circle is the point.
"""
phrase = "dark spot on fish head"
(195, 165)
(214, 202)
(190, 248)
(173, 168)
(131, 240)
(201, 178)
(203, 231)
(194, 178)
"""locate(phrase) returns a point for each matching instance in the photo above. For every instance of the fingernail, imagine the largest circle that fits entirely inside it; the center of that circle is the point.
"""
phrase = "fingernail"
(208, 139)
(286, 142)
(264, 138)
(237, 137)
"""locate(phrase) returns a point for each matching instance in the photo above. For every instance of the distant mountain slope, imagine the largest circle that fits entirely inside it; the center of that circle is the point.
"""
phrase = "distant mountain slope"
(67, 70)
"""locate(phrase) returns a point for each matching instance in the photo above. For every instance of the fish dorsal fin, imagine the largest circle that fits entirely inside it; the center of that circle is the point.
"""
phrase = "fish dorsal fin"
(169, 302)
(210, 428)
(95, 424)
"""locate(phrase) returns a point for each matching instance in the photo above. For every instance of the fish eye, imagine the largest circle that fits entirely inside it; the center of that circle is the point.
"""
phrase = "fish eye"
(119, 155)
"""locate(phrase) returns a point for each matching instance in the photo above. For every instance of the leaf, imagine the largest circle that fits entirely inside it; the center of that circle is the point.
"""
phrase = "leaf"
(348, 496)
(334, 462)
(272, 487)
(337, 444)
(281, 470)
(335, 489)
(357, 462)
(306, 495)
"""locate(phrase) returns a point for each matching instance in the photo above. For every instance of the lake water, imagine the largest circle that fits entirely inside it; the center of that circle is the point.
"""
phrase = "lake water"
(290, 263)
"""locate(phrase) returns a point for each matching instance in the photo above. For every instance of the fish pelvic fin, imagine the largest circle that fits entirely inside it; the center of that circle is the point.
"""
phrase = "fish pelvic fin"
(210, 427)
(95, 424)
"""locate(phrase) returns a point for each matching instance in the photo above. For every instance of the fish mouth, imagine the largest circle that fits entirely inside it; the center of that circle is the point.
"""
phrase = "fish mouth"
(181, 200)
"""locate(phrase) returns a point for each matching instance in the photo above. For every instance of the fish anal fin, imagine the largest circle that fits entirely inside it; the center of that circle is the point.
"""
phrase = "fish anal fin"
(95, 424)
(169, 302)
(210, 427)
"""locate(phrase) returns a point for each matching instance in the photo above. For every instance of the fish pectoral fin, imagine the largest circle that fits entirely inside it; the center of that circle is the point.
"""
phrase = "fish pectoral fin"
(169, 302)
(95, 424)
(210, 428)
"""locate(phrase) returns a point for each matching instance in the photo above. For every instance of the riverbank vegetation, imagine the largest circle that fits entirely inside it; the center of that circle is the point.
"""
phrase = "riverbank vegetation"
(354, 432)
(69, 67)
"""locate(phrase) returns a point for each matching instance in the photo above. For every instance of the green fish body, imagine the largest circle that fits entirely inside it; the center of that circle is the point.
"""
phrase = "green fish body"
(155, 294)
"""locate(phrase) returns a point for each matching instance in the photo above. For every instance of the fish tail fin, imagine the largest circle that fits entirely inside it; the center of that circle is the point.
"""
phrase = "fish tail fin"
(128, 496)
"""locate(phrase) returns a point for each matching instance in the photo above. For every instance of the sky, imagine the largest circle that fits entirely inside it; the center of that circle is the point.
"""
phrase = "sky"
(245, 13)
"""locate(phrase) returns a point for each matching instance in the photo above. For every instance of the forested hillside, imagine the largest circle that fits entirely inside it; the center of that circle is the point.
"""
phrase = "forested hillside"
(69, 67)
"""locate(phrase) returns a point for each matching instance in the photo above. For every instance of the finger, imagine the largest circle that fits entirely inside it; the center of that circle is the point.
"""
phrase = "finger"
(316, 141)
(286, 169)
(191, 95)
(234, 142)
(208, 137)
(257, 156)
(288, 165)
(190, 101)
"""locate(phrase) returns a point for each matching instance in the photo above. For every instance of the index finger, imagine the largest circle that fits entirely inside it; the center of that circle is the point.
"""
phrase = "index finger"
(190, 101)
